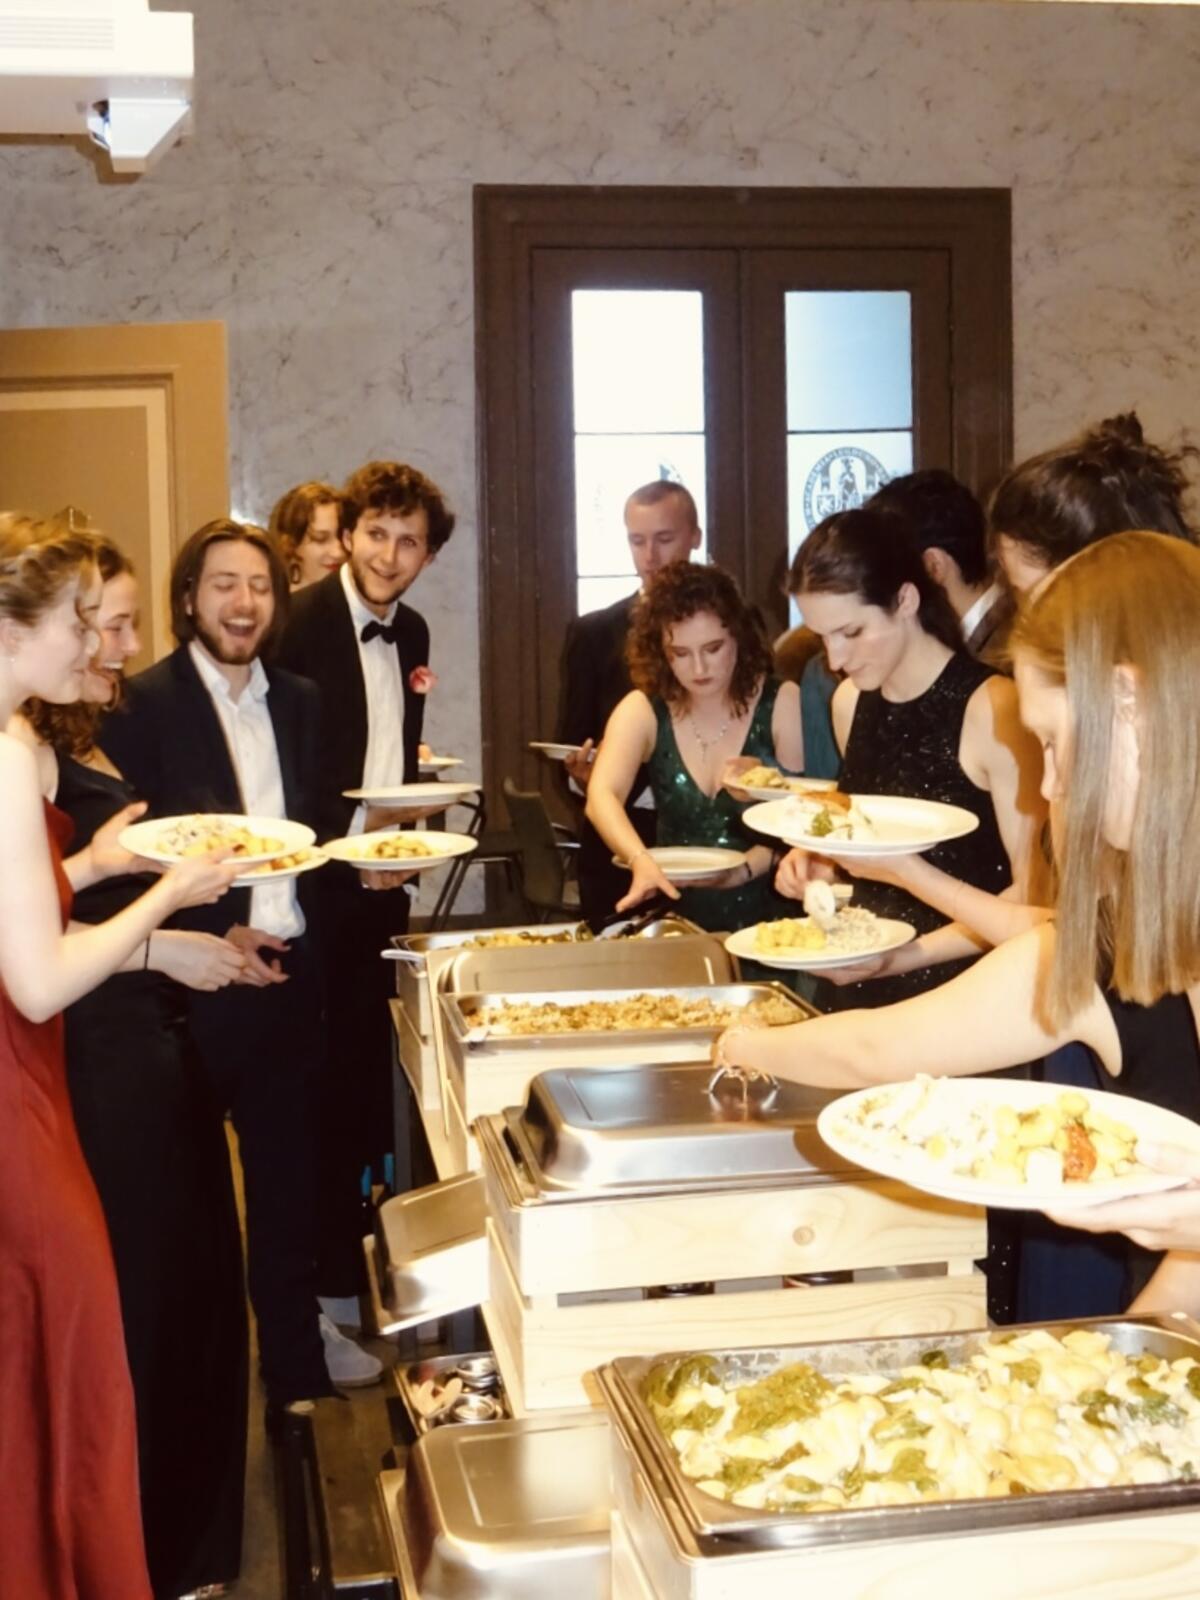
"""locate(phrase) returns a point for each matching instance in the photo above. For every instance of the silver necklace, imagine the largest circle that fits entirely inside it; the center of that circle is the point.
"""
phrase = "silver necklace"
(707, 744)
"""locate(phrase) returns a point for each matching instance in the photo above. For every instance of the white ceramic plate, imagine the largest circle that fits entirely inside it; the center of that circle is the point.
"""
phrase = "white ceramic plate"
(900, 827)
(445, 845)
(686, 863)
(414, 796)
(892, 935)
(556, 752)
(920, 1171)
(148, 839)
(432, 765)
(806, 786)
(273, 874)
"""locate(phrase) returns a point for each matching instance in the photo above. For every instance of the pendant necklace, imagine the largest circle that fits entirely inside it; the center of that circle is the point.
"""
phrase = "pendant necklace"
(707, 744)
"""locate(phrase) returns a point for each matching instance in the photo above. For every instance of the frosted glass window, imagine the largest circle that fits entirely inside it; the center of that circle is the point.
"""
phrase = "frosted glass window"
(638, 380)
(849, 360)
(638, 360)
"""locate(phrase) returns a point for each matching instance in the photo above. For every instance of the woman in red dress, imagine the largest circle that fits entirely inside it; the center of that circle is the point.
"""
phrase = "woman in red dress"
(70, 1527)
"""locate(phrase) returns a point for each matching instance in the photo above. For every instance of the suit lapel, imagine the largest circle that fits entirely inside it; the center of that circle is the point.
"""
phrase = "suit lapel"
(214, 765)
(346, 670)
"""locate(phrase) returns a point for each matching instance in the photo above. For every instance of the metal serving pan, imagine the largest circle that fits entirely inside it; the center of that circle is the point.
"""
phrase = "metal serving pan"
(656, 1129)
(717, 1527)
(458, 1008)
(428, 1256)
(514, 1510)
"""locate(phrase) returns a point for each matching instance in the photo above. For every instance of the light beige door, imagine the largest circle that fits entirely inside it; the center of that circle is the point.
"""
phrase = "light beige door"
(126, 424)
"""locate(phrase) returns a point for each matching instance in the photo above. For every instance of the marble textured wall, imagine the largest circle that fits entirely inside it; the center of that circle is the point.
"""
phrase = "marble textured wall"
(324, 208)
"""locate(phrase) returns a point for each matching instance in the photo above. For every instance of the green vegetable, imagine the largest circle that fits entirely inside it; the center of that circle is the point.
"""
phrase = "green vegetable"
(1095, 1403)
(852, 1481)
(1188, 1472)
(899, 1425)
(739, 1472)
(1193, 1381)
(700, 1417)
(800, 1485)
(1095, 1415)
(796, 1453)
(900, 1385)
(935, 1359)
(910, 1466)
(664, 1381)
(821, 824)
(1152, 1403)
(1028, 1371)
(789, 1395)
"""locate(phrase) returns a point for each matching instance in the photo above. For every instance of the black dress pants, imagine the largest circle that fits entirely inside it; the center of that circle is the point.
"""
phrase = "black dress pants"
(261, 1049)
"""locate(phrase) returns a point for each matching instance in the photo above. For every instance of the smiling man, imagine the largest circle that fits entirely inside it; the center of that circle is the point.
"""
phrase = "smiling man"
(368, 653)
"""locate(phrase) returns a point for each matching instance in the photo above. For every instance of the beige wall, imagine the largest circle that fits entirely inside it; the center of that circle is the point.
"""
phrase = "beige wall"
(324, 208)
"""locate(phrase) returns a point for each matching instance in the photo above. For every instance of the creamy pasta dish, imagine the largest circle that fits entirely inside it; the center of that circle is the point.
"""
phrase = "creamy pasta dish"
(200, 835)
(1064, 1140)
(283, 864)
(518, 1017)
(395, 847)
(851, 931)
(1023, 1414)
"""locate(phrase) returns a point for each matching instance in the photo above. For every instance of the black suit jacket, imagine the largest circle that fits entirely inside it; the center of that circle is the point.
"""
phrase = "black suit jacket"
(167, 740)
(320, 643)
(594, 677)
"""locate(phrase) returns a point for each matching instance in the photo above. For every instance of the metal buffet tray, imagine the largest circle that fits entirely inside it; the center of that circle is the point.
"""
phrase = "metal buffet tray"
(514, 1510)
(717, 1527)
(457, 1009)
(656, 1129)
(428, 1256)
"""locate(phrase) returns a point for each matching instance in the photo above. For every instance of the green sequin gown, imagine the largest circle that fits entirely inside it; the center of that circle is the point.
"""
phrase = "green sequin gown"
(687, 816)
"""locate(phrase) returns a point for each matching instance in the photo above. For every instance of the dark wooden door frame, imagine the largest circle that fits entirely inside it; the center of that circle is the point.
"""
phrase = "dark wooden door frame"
(972, 226)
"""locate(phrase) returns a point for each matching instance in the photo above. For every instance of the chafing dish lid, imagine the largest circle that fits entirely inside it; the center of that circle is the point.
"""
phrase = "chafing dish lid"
(658, 1125)
(426, 1221)
(511, 1508)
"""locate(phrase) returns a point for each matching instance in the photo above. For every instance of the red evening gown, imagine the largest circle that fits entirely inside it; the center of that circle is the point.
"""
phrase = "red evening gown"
(70, 1527)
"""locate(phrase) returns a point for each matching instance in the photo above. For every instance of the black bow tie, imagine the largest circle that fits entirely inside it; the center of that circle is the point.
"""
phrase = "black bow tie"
(389, 633)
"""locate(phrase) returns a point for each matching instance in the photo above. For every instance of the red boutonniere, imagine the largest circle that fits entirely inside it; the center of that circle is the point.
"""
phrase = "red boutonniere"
(421, 680)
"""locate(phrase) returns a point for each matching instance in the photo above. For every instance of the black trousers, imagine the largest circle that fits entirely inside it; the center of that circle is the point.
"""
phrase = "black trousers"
(354, 1099)
(154, 1139)
(261, 1049)
(601, 884)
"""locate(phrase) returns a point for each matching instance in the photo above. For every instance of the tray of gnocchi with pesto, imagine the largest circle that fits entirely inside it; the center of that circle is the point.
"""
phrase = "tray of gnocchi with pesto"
(1003, 1143)
(885, 1438)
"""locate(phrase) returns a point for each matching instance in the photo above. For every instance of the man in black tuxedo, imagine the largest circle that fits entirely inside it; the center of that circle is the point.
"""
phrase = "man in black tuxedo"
(210, 728)
(368, 653)
(662, 525)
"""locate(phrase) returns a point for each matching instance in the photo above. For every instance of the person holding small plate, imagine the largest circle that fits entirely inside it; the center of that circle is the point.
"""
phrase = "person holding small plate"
(703, 696)
(1107, 654)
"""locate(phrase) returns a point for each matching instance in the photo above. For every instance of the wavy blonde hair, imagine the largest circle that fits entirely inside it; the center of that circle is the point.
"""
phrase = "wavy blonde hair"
(1130, 918)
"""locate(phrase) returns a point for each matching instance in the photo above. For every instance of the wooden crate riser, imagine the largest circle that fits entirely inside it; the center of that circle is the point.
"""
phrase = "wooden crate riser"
(550, 1346)
(1155, 1557)
(418, 1058)
(688, 1238)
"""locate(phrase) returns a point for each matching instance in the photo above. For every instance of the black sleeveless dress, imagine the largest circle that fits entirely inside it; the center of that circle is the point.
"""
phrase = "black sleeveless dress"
(155, 1143)
(910, 748)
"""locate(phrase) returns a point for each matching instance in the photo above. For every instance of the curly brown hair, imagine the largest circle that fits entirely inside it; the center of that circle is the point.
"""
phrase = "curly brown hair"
(392, 487)
(680, 591)
(71, 729)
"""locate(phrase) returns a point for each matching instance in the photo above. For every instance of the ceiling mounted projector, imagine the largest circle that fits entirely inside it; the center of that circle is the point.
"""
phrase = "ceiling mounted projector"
(111, 70)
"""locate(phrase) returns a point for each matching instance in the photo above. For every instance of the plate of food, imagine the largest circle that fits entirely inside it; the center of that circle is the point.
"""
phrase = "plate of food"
(768, 783)
(860, 824)
(249, 840)
(689, 863)
(801, 944)
(431, 765)
(290, 866)
(1003, 1143)
(414, 796)
(554, 752)
(392, 850)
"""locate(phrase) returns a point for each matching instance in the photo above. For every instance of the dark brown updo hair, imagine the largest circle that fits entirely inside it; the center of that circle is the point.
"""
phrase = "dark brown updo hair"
(292, 514)
(872, 552)
(678, 592)
(72, 728)
(1107, 481)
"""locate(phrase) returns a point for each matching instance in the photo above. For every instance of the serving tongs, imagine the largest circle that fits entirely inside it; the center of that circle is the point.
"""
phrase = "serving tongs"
(626, 925)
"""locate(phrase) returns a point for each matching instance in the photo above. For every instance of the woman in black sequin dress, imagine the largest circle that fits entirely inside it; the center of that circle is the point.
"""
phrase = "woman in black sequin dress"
(914, 716)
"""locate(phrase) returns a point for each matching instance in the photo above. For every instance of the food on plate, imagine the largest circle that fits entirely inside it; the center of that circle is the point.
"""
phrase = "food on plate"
(1019, 1415)
(395, 847)
(852, 931)
(522, 1017)
(829, 815)
(200, 835)
(282, 864)
(772, 778)
(522, 937)
(1061, 1141)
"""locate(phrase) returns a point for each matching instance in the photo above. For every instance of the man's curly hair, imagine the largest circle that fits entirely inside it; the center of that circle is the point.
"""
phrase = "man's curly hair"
(684, 590)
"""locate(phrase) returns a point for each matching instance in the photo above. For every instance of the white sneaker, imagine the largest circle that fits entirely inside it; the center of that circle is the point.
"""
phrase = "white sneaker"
(344, 1309)
(348, 1364)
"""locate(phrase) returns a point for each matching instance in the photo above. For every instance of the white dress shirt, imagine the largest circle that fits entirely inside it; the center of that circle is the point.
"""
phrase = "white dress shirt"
(972, 617)
(250, 737)
(383, 765)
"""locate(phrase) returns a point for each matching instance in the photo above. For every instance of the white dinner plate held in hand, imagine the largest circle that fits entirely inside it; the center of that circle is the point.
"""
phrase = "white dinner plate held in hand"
(172, 839)
(890, 935)
(279, 869)
(432, 765)
(687, 863)
(841, 1125)
(801, 786)
(891, 825)
(554, 752)
(358, 850)
(414, 796)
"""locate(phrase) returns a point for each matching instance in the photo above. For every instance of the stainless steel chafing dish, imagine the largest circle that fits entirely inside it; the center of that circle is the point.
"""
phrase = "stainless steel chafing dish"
(711, 1527)
(460, 1009)
(428, 1257)
(654, 1130)
(511, 1510)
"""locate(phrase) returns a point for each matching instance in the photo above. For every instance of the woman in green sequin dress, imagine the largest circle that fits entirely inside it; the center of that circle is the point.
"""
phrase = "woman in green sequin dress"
(703, 696)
